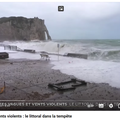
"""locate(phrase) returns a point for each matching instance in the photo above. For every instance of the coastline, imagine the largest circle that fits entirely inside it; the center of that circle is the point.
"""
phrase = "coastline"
(28, 80)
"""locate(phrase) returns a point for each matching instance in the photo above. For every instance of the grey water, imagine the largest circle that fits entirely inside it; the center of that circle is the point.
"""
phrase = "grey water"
(97, 49)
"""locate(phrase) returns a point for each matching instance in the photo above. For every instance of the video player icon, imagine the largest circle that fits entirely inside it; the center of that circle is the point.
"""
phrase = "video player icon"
(101, 105)
(60, 8)
(110, 105)
(119, 105)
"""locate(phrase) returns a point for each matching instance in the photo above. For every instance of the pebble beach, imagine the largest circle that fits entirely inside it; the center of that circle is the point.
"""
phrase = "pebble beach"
(28, 80)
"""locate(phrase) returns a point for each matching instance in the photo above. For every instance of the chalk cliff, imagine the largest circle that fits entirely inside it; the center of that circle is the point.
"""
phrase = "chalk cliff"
(21, 28)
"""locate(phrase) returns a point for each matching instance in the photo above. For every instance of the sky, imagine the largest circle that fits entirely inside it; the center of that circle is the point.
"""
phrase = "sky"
(78, 21)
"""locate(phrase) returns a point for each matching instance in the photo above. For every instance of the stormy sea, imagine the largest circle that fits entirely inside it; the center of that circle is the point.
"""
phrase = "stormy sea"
(102, 65)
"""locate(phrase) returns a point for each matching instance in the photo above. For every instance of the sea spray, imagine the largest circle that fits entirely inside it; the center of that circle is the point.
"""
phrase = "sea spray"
(99, 67)
(94, 49)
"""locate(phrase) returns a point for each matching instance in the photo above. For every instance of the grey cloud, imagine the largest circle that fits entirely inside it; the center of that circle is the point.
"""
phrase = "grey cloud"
(78, 21)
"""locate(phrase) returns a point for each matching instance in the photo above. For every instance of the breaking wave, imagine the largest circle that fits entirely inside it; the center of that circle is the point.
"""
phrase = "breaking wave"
(111, 55)
(93, 52)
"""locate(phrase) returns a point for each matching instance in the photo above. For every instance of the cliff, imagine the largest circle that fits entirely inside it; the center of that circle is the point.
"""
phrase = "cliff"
(21, 28)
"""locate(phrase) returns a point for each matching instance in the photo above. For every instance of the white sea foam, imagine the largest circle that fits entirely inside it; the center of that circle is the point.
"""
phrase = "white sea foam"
(92, 71)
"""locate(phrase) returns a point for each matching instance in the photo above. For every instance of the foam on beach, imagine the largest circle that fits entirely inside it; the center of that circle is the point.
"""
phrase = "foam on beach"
(97, 71)
(90, 71)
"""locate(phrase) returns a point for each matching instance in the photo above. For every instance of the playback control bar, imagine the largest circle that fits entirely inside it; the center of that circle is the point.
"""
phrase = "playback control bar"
(59, 105)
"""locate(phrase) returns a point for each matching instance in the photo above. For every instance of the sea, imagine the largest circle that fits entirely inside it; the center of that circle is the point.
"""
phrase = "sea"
(102, 65)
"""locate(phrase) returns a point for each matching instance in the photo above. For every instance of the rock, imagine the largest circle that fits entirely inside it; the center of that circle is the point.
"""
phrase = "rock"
(21, 28)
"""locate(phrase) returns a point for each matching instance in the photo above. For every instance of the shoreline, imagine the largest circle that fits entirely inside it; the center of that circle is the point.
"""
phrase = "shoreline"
(28, 80)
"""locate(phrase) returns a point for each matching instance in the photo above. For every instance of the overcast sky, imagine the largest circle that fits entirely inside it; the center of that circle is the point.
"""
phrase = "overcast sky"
(78, 21)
